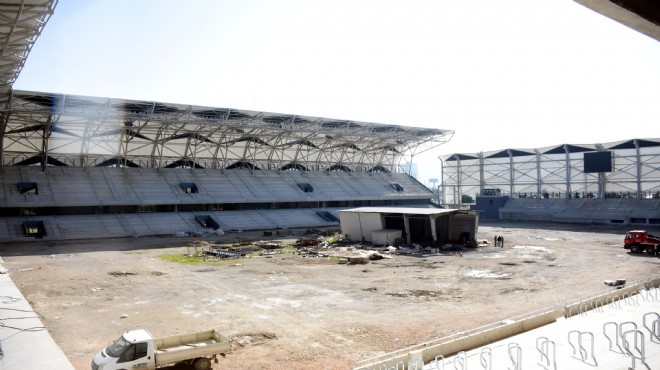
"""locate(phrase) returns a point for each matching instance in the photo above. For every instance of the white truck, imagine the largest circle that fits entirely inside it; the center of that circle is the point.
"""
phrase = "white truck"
(138, 349)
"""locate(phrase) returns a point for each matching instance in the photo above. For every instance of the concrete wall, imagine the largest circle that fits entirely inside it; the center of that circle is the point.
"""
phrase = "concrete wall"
(489, 207)
(463, 223)
(385, 236)
(350, 225)
(360, 226)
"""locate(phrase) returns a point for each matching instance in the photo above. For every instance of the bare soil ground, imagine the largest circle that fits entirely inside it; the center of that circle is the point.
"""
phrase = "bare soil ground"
(295, 312)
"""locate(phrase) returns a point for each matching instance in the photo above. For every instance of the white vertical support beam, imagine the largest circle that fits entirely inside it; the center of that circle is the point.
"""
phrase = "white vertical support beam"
(601, 176)
(539, 181)
(481, 173)
(434, 232)
(459, 175)
(511, 174)
(638, 165)
(441, 186)
(568, 170)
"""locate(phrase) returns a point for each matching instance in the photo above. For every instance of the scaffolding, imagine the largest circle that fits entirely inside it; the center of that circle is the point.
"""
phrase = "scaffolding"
(554, 172)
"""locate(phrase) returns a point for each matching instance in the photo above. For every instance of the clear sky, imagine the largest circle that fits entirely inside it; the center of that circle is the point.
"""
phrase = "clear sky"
(502, 74)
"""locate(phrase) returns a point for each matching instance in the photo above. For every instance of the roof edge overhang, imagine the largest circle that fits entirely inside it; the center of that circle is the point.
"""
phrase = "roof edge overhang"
(641, 15)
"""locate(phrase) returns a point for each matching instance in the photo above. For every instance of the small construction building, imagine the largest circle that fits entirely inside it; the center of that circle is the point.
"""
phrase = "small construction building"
(428, 226)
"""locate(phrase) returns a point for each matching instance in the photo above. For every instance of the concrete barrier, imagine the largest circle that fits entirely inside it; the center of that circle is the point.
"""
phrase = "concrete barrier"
(600, 299)
(412, 357)
(427, 352)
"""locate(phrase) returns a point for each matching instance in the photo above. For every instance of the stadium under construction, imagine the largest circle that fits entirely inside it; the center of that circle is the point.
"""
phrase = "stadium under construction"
(612, 183)
(84, 167)
(79, 167)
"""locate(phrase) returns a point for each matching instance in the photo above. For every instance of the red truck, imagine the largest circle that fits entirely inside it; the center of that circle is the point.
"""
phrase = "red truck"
(641, 241)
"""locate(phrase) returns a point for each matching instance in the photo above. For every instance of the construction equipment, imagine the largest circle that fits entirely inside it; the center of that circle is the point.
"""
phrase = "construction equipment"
(138, 349)
(639, 241)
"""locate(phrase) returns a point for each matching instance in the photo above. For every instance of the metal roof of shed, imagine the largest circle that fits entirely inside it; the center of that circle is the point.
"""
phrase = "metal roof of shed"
(402, 210)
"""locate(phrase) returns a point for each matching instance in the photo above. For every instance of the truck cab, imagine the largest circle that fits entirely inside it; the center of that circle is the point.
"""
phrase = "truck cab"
(133, 350)
(640, 241)
(634, 237)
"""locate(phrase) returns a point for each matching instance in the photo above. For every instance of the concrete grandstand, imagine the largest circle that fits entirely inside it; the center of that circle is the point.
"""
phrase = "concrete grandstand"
(83, 167)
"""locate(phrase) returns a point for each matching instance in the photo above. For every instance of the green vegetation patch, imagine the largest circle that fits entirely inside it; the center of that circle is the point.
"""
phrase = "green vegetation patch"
(186, 259)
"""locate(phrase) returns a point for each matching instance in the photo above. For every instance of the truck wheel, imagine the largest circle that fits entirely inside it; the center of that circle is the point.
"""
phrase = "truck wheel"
(202, 363)
(650, 251)
(634, 249)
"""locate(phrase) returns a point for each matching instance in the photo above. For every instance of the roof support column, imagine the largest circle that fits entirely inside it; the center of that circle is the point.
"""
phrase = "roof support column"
(434, 232)
(45, 139)
(638, 165)
(459, 173)
(406, 225)
(441, 187)
(539, 182)
(602, 179)
(568, 171)
(4, 120)
(511, 174)
(482, 184)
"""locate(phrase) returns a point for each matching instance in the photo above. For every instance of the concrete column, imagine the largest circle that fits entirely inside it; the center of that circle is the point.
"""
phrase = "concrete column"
(434, 233)
(406, 224)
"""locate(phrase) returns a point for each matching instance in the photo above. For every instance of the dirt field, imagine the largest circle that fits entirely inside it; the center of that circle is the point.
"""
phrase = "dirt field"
(295, 312)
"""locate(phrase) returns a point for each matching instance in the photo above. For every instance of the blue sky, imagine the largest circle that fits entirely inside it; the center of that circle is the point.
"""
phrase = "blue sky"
(502, 74)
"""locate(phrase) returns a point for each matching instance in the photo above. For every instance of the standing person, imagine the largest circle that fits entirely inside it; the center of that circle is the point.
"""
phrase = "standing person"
(495, 240)
(501, 240)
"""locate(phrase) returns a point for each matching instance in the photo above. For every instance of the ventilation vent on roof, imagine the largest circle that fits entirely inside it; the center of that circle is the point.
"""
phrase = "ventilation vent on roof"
(189, 187)
(34, 228)
(327, 216)
(396, 186)
(207, 222)
(306, 187)
(28, 188)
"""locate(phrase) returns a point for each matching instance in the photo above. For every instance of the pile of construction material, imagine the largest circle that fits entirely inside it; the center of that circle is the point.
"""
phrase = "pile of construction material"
(205, 250)
(363, 257)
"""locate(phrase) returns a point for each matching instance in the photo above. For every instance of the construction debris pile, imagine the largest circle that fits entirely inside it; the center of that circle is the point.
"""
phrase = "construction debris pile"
(313, 245)
(243, 248)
